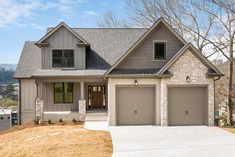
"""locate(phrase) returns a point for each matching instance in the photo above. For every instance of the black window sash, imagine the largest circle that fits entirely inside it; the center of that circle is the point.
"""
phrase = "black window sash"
(156, 57)
(63, 93)
(64, 58)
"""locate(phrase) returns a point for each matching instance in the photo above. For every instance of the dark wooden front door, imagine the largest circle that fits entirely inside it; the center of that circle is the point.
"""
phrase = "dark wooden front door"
(96, 99)
(96, 96)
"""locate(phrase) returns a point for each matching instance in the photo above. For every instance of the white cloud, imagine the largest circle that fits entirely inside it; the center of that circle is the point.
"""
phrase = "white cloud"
(65, 6)
(89, 13)
(13, 11)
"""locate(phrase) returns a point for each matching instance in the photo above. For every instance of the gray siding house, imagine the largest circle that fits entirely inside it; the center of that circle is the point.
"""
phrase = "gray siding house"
(136, 76)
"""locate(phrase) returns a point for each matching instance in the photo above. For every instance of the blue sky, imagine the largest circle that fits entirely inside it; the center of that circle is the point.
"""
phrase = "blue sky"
(26, 20)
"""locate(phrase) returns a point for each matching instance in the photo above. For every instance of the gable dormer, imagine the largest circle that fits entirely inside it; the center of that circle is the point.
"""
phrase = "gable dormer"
(63, 48)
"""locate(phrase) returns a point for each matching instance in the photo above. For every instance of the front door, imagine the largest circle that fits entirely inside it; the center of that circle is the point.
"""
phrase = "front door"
(96, 99)
(96, 96)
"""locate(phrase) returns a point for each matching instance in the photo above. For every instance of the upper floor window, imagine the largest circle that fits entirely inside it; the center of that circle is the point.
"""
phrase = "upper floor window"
(159, 50)
(62, 58)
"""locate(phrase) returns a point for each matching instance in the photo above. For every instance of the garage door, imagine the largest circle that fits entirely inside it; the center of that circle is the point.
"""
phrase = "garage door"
(135, 105)
(187, 105)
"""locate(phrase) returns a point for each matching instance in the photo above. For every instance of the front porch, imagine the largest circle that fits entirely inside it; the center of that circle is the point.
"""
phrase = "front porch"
(90, 116)
(69, 99)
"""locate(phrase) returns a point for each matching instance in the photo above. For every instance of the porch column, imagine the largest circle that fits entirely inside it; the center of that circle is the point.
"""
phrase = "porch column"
(39, 103)
(82, 103)
(82, 90)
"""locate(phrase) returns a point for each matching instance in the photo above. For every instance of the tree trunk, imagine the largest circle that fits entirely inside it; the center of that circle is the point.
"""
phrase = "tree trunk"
(230, 88)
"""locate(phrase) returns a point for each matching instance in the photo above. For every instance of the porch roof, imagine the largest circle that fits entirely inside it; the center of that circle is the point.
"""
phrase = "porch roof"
(67, 73)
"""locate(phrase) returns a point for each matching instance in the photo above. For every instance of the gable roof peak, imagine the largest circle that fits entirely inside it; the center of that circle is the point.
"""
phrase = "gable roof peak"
(41, 42)
(195, 52)
(143, 37)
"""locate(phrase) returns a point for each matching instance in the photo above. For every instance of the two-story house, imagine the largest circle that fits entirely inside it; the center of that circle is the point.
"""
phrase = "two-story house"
(136, 76)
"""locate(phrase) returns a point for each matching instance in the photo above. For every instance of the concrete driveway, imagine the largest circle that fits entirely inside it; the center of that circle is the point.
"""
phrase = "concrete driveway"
(185, 141)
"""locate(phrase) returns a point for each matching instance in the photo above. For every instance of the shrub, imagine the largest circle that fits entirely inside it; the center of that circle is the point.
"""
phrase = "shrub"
(49, 121)
(74, 120)
(7, 102)
(223, 118)
(36, 121)
(60, 120)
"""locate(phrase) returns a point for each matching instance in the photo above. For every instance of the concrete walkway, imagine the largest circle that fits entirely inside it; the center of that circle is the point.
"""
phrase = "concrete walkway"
(188, 141)
(96, 125)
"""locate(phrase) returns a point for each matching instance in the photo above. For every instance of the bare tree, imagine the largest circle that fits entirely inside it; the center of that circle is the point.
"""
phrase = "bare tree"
(179, 15)
(109, 20)
(223, 40)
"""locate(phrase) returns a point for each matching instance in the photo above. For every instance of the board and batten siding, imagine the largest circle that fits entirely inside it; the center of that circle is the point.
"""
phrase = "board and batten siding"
(143, 56)
(28, 96)
(47, 95)
(63, 39)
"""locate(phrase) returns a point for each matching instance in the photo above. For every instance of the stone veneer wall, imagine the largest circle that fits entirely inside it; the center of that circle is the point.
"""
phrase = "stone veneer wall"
(188, 65)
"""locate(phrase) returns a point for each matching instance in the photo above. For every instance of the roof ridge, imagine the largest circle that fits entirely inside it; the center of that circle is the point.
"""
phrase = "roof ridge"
(98, 28)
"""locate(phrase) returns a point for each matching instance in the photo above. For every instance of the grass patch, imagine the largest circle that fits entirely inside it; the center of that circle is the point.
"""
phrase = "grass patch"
(8, 103)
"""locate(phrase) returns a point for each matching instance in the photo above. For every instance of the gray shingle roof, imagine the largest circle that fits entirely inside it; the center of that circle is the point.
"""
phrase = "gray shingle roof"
(135, 71)
(66, 73)
(110, 44)
(107, 46)
(30, 60)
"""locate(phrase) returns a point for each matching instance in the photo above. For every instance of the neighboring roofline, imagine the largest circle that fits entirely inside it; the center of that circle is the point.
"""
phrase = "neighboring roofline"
(142, 38)
(40, 41)
(20, 78)
(196, 52)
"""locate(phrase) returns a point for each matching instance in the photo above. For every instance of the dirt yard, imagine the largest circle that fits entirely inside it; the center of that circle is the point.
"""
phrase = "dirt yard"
(232, 130)
(55, 140)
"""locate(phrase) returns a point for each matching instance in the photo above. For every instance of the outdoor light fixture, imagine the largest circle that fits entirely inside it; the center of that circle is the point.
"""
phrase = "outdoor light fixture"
(188, 79)
(136, 83)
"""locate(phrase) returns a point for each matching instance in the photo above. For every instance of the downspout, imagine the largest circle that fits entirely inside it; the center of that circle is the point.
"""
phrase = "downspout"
(36, 82)
(214, 94)
(19, 103)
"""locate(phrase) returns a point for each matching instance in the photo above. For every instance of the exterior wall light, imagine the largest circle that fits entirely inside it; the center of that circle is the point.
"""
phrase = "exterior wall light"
(188, 79)
(136, 83)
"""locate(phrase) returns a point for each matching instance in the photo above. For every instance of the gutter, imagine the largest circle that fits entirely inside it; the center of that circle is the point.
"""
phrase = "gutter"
(36, 82)
(19, 104)
(217, 78)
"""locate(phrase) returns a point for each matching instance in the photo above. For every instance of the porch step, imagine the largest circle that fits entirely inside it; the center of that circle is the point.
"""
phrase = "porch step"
(96, 116)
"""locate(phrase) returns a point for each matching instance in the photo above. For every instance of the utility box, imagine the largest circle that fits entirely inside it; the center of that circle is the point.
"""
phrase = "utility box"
(14, 118)
(5, 119)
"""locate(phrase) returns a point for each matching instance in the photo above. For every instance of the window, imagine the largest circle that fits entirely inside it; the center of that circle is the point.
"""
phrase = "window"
(62, 58)
(159, 50)
(63, 92)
